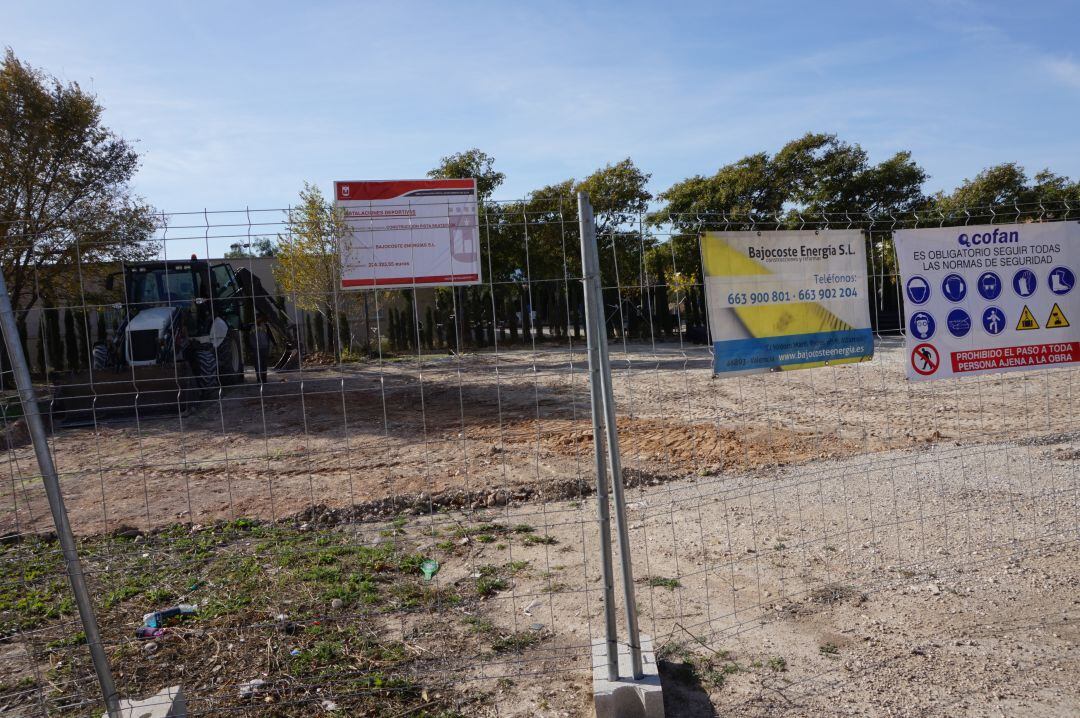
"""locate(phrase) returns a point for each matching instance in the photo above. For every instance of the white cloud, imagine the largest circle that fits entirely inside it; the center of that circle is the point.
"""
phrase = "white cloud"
(1064, 69)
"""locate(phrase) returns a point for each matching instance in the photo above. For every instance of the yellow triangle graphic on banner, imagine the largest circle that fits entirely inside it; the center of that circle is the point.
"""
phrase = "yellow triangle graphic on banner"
(1027, 320)
(1057, 318)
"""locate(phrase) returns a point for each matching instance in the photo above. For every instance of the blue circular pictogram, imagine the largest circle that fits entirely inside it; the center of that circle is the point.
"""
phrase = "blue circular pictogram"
(1061, 280)
(918, 290)
(1024, 283)
(958, 322)
(993, 320)
(954, 288)
(989, 286)
(922, 325)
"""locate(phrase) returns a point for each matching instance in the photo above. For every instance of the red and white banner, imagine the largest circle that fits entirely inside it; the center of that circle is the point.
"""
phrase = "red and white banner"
(409, 233)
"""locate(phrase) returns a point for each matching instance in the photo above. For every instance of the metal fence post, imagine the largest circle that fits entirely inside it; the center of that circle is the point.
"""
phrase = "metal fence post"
(51, 481)
(590, 264)
(601, 368)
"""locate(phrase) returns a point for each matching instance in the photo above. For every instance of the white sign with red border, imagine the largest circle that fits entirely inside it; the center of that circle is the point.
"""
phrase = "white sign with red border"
(409, 233)
(990, 298)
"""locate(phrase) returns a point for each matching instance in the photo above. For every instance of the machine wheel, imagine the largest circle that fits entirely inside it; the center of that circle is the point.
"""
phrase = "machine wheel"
(207, 364)
(230, 359)
(100, 358)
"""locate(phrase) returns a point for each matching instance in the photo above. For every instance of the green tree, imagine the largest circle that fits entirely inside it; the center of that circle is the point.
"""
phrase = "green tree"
(813, 176)
(308, 266)
(259, 247)
(1005, 193)
(474, 164)
(65, 197)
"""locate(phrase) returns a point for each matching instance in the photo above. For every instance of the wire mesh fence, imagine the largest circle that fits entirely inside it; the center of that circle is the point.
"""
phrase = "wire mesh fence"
(401, 518)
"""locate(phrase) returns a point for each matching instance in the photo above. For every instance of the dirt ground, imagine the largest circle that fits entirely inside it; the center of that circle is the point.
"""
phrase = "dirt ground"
(835, 541)
(360, 433)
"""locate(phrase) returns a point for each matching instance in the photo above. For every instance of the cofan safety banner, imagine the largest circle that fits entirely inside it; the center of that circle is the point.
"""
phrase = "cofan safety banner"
(990, 298)
(409, 233)
(786, 300)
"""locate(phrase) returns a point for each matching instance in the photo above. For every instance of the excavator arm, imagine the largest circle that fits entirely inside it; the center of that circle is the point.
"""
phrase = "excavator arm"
(282, 329)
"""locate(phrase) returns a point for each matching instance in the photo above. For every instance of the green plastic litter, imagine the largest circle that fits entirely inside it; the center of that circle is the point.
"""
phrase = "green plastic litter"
(430, 567)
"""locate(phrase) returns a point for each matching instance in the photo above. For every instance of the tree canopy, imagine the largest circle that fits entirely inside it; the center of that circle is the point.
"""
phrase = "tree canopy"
(471, 164)
(65, 198)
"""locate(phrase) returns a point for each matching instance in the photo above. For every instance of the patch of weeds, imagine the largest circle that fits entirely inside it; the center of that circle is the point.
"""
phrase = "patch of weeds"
(397, 527)
(160, 596)
(489, 585)
(555, 587)
(536, 540)
(24, 683)
(516, 641)
(485, 528)
(357, 588)
(718, 675)
(523, 529)
(779, 546)
(411, 595)
(485, 538)
(76, 639)
(829, 649)
(517, 566)
(660, 582)
(778, 664)
(320, 574)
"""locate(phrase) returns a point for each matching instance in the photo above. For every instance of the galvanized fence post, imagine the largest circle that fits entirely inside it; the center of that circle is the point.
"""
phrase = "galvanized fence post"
(51, 481)
(602, 394)
(590, 264)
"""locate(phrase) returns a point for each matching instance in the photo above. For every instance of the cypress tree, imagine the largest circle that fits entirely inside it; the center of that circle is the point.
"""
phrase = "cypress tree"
(54, 351)
(410, 328)
(344, 333)
(320, 331)
(40, 353)
(391, 328)
(429, 328)
(309, 333)
(71, 341)
(512, 316)
(82, 333)
(102, 331)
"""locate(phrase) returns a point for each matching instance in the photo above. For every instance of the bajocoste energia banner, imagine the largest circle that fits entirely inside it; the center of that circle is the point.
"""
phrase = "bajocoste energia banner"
(990, 298)
(781, 300)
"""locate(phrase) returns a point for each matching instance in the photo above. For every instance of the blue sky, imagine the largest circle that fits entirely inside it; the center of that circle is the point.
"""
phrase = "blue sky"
(235, 104)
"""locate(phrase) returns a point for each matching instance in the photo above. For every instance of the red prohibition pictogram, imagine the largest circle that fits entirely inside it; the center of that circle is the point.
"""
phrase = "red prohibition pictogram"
(925, 359)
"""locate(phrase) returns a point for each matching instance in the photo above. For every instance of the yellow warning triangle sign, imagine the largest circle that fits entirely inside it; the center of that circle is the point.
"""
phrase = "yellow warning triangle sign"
(1027, 320)
(1057, 318)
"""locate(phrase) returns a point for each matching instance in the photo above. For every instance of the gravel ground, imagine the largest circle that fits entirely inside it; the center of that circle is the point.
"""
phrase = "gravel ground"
(835, 541)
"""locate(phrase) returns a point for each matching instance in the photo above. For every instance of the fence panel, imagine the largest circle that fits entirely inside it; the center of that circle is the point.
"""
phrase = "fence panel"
(805, 540)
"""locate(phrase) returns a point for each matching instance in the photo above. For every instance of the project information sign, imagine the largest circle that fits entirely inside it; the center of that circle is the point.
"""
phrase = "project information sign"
(409, 233)
(990, 298)
(786, 300)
